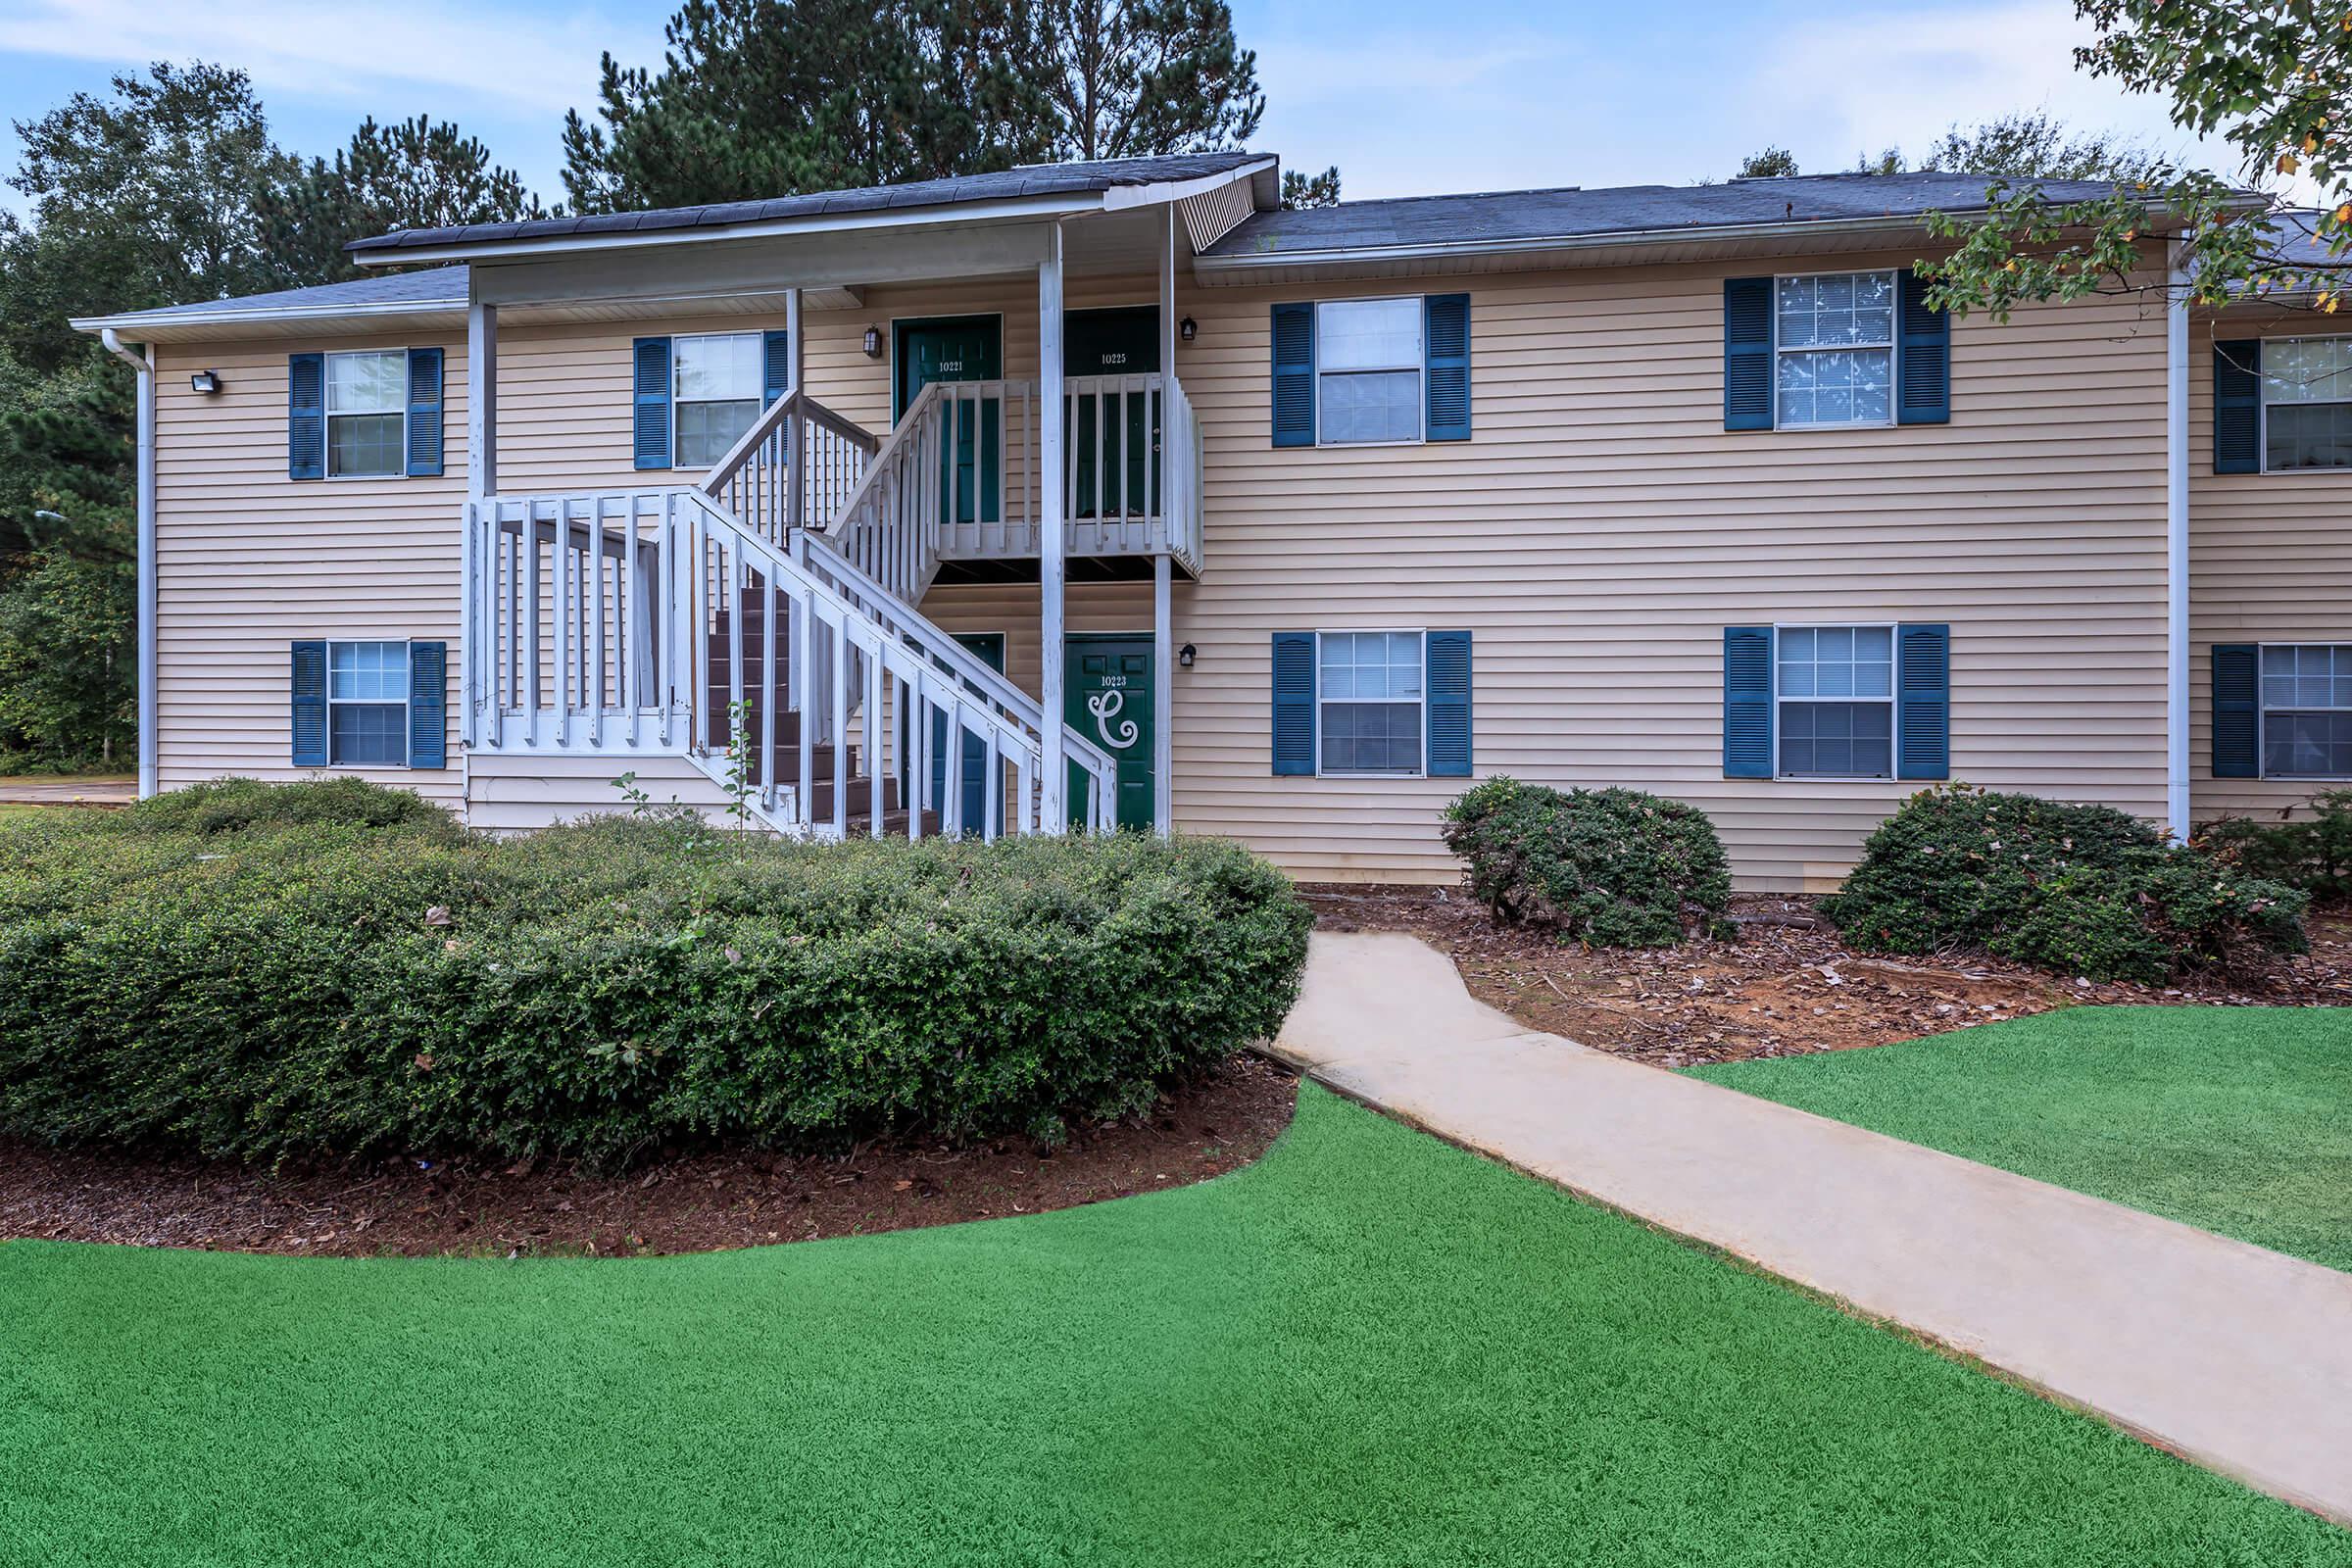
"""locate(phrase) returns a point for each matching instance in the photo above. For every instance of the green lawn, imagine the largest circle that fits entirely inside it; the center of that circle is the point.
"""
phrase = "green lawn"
(1371, 1348)
(2236, 1119)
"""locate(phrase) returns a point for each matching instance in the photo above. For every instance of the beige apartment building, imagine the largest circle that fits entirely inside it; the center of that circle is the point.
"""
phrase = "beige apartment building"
(1111, 494)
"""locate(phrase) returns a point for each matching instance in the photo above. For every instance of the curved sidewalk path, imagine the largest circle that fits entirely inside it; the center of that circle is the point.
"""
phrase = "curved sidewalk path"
(2234, 1357)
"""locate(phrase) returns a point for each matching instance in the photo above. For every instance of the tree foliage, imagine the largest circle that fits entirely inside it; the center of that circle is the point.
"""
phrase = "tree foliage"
(1300, 191)
(142, 198)
(414, 173)
(1129, 79)
(167, 189)
(759, 98)
(2271, 79)
(2036, 146)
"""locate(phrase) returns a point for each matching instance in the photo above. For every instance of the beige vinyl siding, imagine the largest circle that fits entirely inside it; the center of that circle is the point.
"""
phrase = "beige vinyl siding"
(1601, 528)
(248, 561)
(1597, 535)
(512, 793)
(2269, 561)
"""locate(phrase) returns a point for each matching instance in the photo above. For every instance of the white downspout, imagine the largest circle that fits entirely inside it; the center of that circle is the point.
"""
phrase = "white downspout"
(2176, 543)
(145, 364)
(1050, 543)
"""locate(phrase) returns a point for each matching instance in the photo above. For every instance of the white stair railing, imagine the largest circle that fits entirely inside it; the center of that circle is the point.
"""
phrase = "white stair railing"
(596, 617)
(772, 495)
(959, 480)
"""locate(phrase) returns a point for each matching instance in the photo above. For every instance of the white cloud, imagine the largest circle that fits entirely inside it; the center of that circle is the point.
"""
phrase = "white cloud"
(1830, 90)
(530, 64)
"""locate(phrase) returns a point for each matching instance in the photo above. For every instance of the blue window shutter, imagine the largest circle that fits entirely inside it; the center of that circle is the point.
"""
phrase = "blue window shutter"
(649, 362)
(1747, 353)
(775, 362)
(425, 413)
(306, 416)
(1748, 702)
(1295, 376)
(2236, 711)
(1446, 320)
(1922, 700)
(428, 705)
(1923, 360)
(1294, 701)
(2237, 413)
(310, 705)
(1446, 658)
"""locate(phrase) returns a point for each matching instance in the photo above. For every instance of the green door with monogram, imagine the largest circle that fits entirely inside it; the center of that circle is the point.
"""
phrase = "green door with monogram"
(965, 348)
(1107, 697)
(1119, 449)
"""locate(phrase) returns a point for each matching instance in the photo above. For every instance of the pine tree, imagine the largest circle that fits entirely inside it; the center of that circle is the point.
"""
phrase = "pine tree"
(759, 98)
(417, 173)
(1133, 77)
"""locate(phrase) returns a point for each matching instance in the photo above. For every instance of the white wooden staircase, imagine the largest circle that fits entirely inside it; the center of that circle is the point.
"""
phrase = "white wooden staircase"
(763, 623)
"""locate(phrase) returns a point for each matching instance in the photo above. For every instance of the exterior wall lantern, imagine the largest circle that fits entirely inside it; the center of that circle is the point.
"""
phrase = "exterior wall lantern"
(873, 342)
(1188, 329)
(1183, 655)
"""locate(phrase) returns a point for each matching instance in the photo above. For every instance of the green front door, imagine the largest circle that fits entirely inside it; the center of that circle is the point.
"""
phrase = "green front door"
(1117, 342)
(1107, 697)
(967, 348)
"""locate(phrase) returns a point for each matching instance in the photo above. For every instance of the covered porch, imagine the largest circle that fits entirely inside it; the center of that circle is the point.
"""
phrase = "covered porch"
(953, 398)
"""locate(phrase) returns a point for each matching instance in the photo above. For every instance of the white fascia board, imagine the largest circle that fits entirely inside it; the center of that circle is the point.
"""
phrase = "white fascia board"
(174, 321)
(1122, 197)
(936, 215)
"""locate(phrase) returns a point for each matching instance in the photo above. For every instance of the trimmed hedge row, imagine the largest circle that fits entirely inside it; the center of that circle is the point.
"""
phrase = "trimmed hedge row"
(2085, 890)
(262, 971)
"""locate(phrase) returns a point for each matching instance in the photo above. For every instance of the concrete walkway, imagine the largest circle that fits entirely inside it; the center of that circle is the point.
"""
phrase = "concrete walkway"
(102, 788)
(2236, 1358)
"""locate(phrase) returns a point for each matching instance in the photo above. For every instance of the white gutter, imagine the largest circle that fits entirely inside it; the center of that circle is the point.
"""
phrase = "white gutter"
(168, 320)
(2176, 544)
(145, 365)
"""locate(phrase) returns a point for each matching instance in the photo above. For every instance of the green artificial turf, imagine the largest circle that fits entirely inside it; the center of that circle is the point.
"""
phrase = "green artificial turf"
(1370, 1348)
(2236, 1119)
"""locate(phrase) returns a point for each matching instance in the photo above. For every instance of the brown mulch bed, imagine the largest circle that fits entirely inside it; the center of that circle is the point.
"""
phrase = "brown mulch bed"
(407, 1206)
(1789, 986)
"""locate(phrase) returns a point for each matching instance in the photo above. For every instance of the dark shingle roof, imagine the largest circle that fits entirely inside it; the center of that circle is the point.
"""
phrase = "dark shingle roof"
(1039, 179)
(1505, 216)
(429, 285)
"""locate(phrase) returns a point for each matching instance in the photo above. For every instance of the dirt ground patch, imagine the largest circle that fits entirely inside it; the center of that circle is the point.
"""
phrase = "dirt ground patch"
(1789, 986)
(405, 1206)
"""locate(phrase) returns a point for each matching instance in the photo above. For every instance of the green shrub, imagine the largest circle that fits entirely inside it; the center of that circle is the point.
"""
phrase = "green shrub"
(234, 804)
(310, 983)
(2312, 853)
(2084, 889)
(1613, 867)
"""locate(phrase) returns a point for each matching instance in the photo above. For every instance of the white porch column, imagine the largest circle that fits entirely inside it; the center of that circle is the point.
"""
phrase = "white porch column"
(1049, 543)
(1172, 490)
(2176, 544)
(796, 445)
(481, 483)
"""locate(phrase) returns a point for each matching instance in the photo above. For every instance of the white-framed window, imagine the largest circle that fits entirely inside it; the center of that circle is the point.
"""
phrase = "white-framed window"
(2306, 403)
(368, 414)
(368, 705)
(1834, 700)
(1369, 365)
(1832, 341)
(2307, 711)
(716, 394)
(1370, 701)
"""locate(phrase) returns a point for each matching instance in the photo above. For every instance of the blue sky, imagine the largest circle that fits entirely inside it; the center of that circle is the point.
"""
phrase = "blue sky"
(1406, 98)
